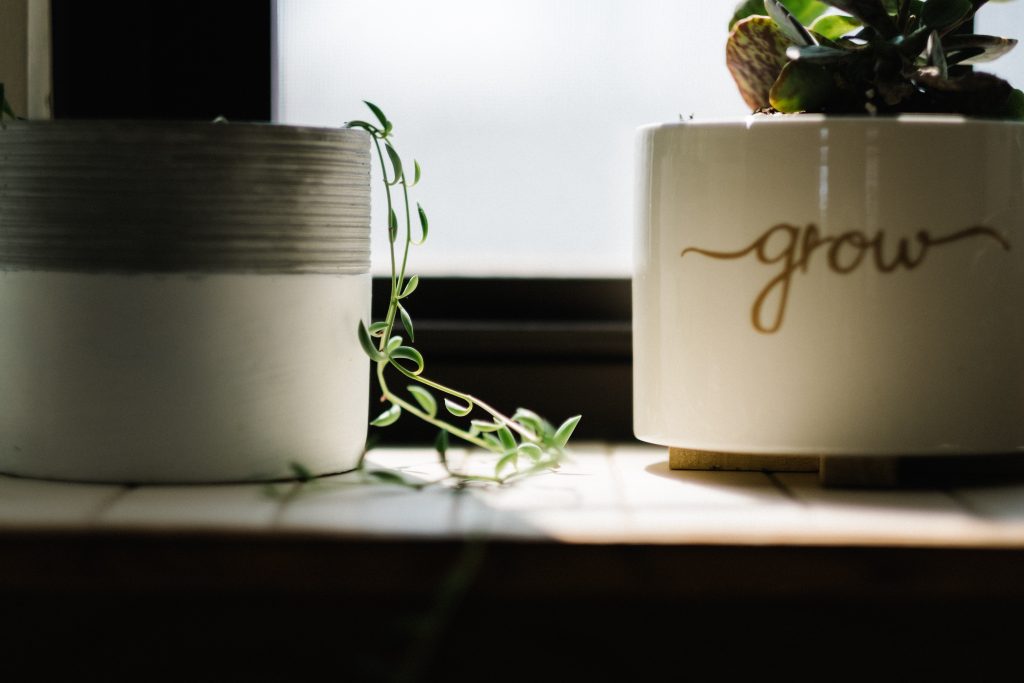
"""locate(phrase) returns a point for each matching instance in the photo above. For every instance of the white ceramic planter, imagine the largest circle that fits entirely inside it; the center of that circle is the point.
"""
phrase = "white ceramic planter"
(813, 285)
(179, 301)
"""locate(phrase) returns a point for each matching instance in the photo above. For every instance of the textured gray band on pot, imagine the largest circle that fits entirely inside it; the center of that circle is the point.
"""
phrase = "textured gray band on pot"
(174, 196)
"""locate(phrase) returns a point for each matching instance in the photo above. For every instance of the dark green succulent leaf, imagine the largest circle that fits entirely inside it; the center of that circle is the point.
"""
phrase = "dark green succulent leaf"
(835, 26)
(424, 224)
(377, 329)
(789, 25)
(564, 431)
(975, 48)
(396, 164)
(508, 440)
(756, 54)
(805, 11)
(870, 12)
(457, 409)
(747, 8)
(410, 286)
(424, 398)
(407, 353)
(417, 172)
(972, 94)
(388, 417)
(817, 54)
(406, 322)
(913, 44)
(1015, 105)
(940, 14)
(935, 56)
(801, 87)
(369, 348)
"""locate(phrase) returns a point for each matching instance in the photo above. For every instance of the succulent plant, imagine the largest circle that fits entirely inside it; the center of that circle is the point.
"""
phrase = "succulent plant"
(867, 57)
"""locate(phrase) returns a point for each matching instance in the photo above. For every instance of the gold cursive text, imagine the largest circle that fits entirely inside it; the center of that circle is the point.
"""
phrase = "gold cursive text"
(792, 247)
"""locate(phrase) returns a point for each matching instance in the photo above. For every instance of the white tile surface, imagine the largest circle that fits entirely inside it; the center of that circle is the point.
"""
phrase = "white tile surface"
(622, 494)
(248, 507)
(30, 503)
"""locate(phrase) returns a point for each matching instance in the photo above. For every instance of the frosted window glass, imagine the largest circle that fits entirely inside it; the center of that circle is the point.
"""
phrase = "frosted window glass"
(522, 112)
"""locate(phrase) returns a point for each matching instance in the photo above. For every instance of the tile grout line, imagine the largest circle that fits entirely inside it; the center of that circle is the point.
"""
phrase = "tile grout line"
(781, 487)
(108, 504)
(964, 504)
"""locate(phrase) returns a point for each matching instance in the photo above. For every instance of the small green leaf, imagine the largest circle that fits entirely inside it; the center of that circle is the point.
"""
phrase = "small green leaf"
(368, 127)
(534, 422)
(484, 426)
(939, 14)
(392, 226)
(508, 440)
(441, 442)
(457, 409)
(424, 224)
(493, 443)
(410, 354)
(386, 477)
(416, 172)
(406, 322)
(565, 431)
(410, 286)
(425, 399)
(377, 329)
(509, 460)
(396, 164)
(388, 417)
(835, 26)
(393, 344)
(379, 114)
(366, 342)
(531, 451)
(300, 471)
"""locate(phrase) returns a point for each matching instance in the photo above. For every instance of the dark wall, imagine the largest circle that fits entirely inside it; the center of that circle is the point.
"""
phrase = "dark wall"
(183, 60)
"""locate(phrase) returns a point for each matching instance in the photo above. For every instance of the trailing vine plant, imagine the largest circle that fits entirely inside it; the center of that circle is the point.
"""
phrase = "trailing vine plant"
(524, 442)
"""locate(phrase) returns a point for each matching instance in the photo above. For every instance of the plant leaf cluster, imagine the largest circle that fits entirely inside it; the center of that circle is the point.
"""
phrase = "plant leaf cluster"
(524, 442)
(867, 57)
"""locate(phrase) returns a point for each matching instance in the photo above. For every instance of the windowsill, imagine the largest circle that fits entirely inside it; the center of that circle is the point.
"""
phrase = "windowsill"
(620, 494)
(613, 540)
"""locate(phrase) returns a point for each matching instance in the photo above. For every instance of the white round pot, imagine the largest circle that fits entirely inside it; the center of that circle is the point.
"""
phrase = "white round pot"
(179, 301)
(813, 285)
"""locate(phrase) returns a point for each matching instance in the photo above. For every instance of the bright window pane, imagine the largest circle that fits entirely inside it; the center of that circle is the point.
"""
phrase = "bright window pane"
(521, 112)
